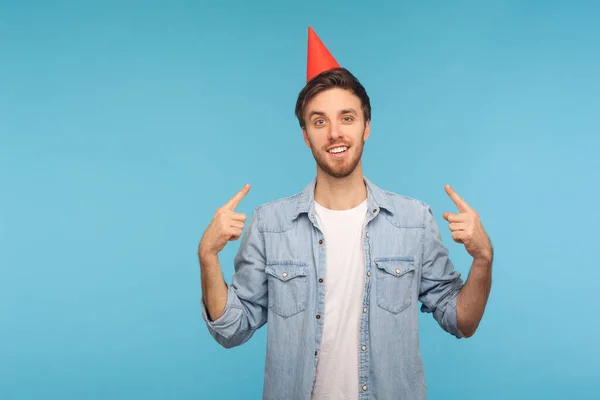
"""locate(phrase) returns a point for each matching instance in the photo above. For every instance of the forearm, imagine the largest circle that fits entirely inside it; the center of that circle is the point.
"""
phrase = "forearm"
(214, 289)
(473, 296)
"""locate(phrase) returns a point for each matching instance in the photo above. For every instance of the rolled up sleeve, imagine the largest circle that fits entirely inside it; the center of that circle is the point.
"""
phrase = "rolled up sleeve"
(246, 307)
(440, 283)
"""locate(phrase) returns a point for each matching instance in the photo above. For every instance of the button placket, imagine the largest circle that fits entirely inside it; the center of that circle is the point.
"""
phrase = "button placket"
(364, 318)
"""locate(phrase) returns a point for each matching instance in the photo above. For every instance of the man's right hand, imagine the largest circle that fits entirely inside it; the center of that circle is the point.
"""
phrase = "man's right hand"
(225, 226)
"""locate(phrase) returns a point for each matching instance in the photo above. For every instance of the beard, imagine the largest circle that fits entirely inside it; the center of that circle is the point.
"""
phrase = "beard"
(338, 168)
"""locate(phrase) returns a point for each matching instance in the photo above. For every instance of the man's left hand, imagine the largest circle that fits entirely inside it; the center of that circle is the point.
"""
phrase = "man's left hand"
(467, 229)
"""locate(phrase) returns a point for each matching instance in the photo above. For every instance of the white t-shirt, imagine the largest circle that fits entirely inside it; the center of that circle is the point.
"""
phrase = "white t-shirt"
(337, 367)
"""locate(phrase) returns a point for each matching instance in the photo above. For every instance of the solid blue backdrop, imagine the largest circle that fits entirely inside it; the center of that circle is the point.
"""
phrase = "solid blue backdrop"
(124, 125)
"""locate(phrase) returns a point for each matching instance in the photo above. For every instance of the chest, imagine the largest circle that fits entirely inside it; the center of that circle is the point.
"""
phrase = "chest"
(377, 239)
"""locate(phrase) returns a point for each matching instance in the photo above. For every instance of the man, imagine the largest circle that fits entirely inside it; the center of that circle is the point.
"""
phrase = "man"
(337, 269)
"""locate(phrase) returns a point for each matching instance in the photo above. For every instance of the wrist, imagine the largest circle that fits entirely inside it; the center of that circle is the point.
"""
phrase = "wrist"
(207, 258)
(483, 260)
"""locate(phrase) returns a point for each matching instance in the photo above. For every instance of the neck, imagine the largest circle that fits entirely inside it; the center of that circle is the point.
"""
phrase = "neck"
(340, 193)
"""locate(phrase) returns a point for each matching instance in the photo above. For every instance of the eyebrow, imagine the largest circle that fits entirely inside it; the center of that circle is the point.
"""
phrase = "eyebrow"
(344, 111)
(349, 111)
(312, 113)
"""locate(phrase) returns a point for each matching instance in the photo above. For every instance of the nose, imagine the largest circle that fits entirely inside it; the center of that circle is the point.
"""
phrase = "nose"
(334, 132)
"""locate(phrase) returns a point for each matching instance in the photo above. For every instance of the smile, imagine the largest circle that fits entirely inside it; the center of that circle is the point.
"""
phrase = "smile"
(338, 150)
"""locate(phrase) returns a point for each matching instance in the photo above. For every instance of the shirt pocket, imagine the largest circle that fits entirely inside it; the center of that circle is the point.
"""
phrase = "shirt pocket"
(394, 283)
(288, 287)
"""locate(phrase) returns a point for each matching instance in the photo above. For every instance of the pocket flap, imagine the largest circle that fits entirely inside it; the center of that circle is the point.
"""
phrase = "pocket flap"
(396, 267)
(287, 270)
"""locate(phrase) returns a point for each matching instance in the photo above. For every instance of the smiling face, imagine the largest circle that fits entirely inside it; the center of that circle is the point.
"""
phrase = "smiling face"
(335, 130)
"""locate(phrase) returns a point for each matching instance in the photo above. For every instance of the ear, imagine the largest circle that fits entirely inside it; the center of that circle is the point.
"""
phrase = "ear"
(305, 136)
(367, 130)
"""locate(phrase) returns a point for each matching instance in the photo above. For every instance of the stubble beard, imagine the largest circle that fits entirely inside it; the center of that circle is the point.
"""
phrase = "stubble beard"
(338, 169)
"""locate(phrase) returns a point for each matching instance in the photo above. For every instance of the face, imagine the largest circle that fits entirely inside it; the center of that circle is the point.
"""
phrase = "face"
(335, 131)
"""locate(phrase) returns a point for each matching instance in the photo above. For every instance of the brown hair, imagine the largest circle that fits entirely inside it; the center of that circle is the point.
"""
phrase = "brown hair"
(334, 78)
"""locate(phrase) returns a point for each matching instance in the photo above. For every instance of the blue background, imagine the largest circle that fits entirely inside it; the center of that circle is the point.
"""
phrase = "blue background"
(124, 125)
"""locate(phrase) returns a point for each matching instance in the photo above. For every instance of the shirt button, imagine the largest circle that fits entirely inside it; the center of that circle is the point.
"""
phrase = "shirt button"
(364, 388)
(320, 280)
(374, 211)
(364, 348)
(397, 270)
(284, 274)
(365, 309)
(318, 316)
(368, 273)
(367, 234)
(316, 352)
(321, 241)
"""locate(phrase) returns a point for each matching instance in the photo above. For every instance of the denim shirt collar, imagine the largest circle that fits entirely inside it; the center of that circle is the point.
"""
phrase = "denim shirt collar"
(376, 199)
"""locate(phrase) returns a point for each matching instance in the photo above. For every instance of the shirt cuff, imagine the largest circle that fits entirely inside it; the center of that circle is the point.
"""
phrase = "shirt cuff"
(450, 318)
(226, 325)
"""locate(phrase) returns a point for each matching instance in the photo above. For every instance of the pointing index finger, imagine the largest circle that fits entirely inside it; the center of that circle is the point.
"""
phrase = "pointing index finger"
(460, 203)
(235, 200)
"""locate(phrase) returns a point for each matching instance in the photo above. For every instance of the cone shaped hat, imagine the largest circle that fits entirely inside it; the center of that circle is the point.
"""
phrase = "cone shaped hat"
(319, 58)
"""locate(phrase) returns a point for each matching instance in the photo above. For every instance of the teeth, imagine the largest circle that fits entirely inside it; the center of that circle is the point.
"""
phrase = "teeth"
(338, 149)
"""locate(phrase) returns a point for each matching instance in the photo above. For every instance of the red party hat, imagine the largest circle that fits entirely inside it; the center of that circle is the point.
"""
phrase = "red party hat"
(319, 58)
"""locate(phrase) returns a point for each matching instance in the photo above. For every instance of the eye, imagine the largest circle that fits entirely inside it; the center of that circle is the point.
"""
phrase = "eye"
(348, 118)
(319, 122)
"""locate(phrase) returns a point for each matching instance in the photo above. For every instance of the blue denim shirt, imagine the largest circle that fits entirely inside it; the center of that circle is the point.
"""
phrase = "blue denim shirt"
(280, 277)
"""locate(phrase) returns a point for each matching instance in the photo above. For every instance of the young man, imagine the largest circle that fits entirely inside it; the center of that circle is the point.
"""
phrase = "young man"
(337, 270)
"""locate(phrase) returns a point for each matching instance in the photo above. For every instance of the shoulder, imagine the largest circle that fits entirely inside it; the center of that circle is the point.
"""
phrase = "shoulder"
(278, 215)
(285, 203)
(406, 211)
